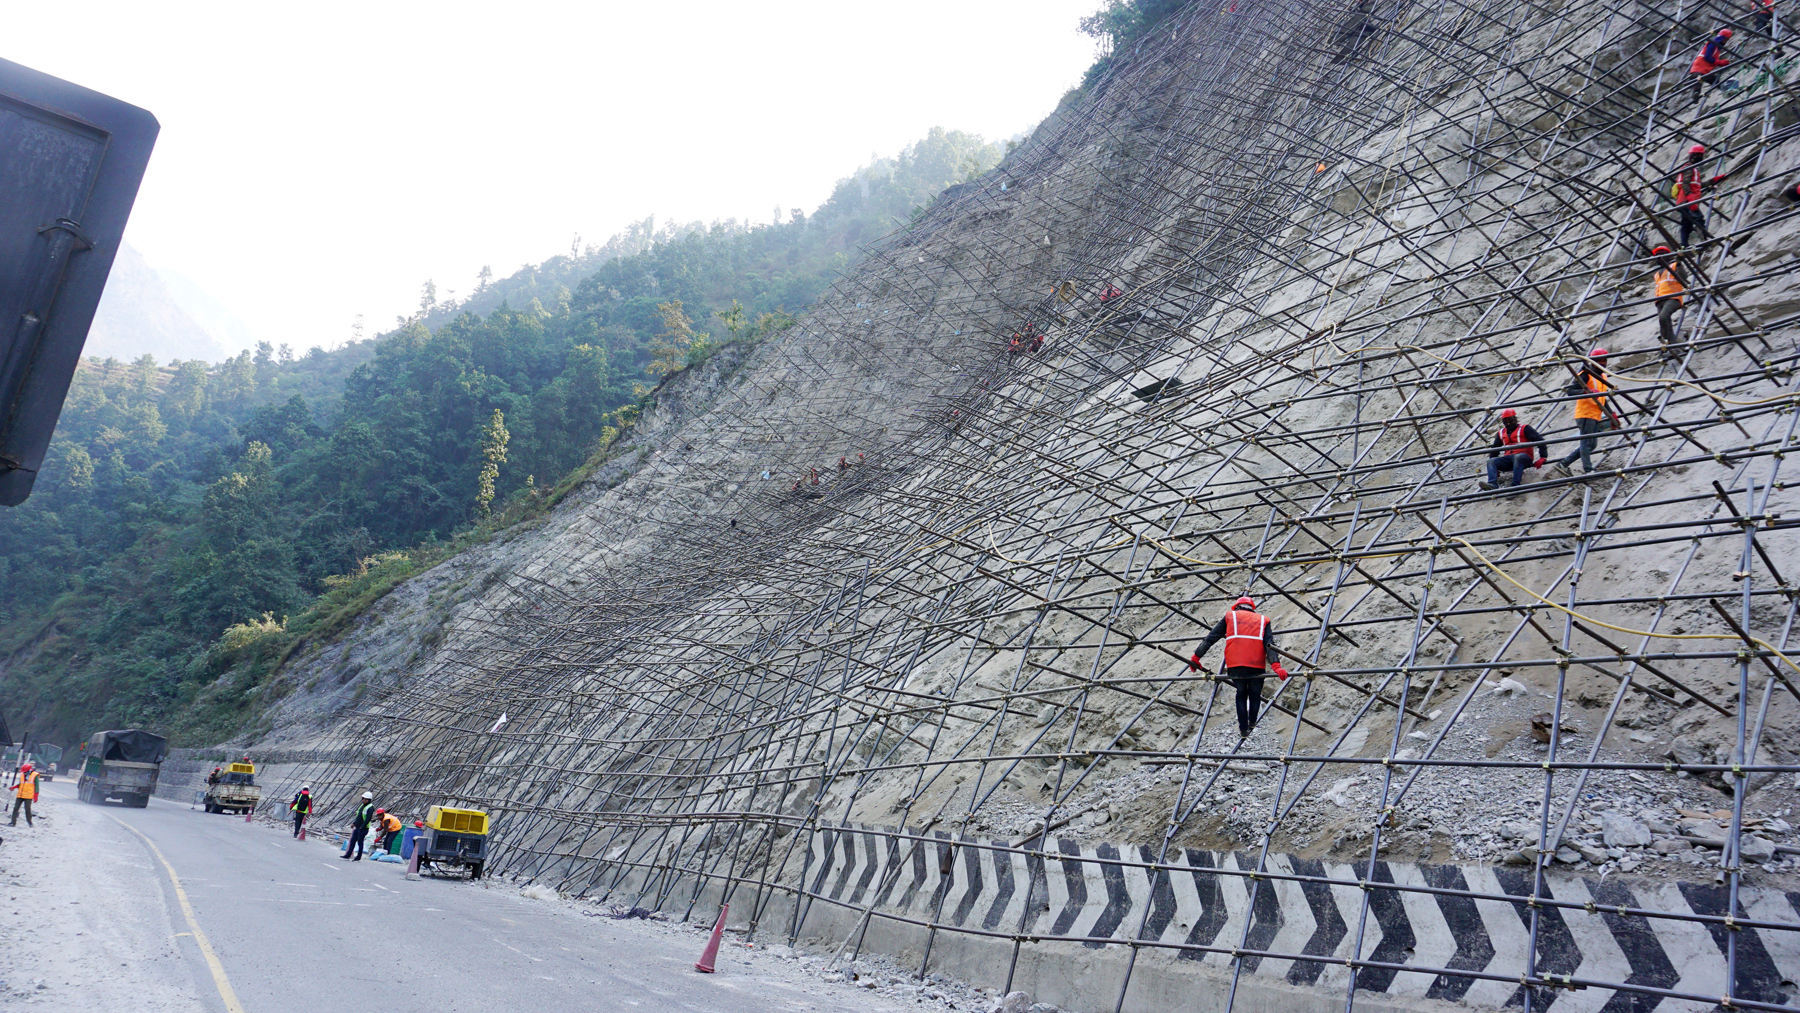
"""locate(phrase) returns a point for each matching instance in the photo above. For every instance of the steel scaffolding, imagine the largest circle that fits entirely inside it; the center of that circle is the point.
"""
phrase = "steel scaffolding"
(1288, 262)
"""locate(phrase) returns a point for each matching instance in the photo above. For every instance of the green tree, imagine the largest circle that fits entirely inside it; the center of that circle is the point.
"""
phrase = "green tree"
(493, 452)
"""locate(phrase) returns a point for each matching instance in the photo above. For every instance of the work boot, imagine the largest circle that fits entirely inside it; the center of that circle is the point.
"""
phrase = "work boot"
(1485, 486)
(1562, 469)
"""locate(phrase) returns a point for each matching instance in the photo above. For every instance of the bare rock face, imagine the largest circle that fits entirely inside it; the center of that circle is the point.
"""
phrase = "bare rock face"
(1621, 831)
(1013, 1002)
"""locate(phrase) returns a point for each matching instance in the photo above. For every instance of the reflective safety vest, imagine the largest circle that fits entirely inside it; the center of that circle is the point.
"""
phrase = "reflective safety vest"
(1512, 438)
(1688, 187)
(1244, 639)
(390, 822)
(1592, 407)
(1668, 286)
(27, 788)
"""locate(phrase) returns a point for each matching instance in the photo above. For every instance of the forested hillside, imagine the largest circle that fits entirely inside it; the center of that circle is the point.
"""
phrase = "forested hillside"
(190, 509)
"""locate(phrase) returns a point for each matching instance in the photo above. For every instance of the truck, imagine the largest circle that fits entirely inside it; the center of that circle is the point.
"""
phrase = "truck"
(236, 791)
(121, 764)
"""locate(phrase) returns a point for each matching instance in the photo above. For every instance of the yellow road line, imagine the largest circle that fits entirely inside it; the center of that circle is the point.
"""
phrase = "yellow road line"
(187, 911)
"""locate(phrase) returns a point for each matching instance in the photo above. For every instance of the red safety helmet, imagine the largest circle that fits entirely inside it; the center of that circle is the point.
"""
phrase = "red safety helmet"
(24, 767)
(1661, 251)
(1724, 33)
(1246, 602)
(378, 812)
(1509, 414)
(1698, 149)
(1598, 353)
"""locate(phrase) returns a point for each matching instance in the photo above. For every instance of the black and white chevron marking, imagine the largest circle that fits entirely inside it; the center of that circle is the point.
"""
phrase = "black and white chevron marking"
(1084, 892)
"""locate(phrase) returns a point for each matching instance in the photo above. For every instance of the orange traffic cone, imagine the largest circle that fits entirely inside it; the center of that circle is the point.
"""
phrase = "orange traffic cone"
(711, 953)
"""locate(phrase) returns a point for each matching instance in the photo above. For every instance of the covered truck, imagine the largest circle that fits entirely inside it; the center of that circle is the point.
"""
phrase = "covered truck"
(236, 790)
(123, 765)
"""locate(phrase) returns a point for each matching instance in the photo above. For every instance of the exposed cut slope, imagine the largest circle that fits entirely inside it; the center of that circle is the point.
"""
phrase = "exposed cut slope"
(1352, 236)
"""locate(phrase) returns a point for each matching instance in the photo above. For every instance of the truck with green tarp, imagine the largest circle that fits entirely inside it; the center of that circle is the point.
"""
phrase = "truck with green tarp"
(121, 764)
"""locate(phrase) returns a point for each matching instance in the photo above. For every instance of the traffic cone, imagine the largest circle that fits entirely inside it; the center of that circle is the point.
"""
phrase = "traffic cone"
(711, 953)
(249, 814)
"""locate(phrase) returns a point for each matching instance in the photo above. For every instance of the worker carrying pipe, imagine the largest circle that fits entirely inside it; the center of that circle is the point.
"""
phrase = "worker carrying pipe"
(1249, 654)
(1513, 448)
(1712, 57)
(1669, 289)
(1689, 189)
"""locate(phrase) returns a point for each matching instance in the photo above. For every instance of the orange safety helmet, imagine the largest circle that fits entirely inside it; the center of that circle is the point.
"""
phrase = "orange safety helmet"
(1246, 602)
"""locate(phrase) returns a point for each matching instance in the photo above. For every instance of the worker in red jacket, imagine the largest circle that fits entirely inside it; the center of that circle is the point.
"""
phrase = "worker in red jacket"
(1712, 57)
(1689, 190)
(1513, 448)
(1249, 654)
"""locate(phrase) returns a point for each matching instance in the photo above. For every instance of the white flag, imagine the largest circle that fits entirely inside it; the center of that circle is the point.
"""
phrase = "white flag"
(497, 724)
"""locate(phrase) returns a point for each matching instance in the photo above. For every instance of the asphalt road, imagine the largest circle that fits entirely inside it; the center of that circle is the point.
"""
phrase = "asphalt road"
(290, 924)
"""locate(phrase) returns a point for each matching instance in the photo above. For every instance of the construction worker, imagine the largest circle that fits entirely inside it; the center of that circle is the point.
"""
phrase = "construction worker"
(359, 827)
(1690, 187)
(1110, 293)
(301, 807)
(1591, 412)
(25, 793)
(1762, 14)
(1512, 448)
(390, 825)
(1249, 654)
(212, 778)
(1037, 342)
(1669, 287)
(1712, 57)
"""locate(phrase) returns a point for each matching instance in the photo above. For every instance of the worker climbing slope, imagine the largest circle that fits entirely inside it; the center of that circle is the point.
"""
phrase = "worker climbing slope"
(1712, 57)
(1249, 654)
(1513, 448)
(1669, 289)
(1591, 413)
(1689, 190)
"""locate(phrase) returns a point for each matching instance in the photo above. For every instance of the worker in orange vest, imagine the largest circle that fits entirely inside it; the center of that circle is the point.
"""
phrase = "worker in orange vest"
(1712, 57)
(1249, 654)
(1591, 413)
(1669, 288)
(25, 794)
(390, 825)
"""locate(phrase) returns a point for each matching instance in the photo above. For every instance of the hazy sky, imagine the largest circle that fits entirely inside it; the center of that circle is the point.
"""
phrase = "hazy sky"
(322, 160)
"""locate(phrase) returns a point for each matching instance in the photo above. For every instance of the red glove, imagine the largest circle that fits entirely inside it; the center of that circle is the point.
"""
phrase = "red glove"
(1194, 664)
(1539, 463)
(1282, 672)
